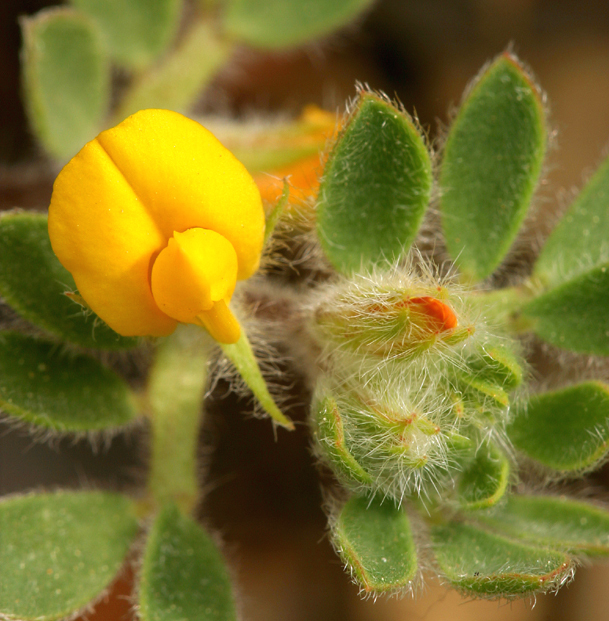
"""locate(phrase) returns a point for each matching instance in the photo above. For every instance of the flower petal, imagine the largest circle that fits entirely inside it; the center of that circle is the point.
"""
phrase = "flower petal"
(103, 235)
(117, 203)
(185, 178)
(195, 270)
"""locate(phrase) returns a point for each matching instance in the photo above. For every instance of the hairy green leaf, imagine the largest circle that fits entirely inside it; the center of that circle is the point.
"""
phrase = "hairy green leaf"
(274, 24)
(47, 387)
(579, 242)
(573, 315)
(33, 282)
(375, 189)
(66, 79)
(58, 552)
(483, 564)
(492, 161)
(183, 576)
(373, 536)
(556, 521)
(484, 481)
(567, 430)
(135, 32)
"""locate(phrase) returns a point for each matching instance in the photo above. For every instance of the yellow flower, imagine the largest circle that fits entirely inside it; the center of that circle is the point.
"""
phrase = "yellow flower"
(156, 221)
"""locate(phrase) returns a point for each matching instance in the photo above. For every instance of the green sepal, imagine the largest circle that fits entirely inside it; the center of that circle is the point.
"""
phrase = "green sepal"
(177, 81)
(483, 564)
(66, 79)
(60, 551)
(498, 365)
(573, 315)
(484, 480)
(276, 24)
(563, 523)
(480, 391)
(59, 390)
(244, 360)
(374, 538)
(33, 282)
(329, 435)
(491, 165)
(579, 241)
(276, 213)
(183, 576)
(566, 430)
(375, 187)
(134, 32)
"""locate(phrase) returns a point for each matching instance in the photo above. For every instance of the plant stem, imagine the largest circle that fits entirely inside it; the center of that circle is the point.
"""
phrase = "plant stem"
(176, 391)
(181, 77)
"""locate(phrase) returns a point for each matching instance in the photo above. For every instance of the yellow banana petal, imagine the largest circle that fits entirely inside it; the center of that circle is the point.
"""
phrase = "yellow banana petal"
(195, 270)
(102, 233)
(185, 178)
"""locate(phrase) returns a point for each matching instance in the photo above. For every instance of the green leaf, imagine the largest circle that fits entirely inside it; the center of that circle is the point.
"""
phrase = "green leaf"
(244, 360)
(135, 32)
(573, 315)
(58, 552)
(375, 188)
(179, 79)
(66, 79)
(579, 241)
(58, 390)
(330, 437)
(33, 282)
(373, 536)
(183, 576)
(484, 480)
(556, 521)
(481, 563)
(492, 161)
(567, 430)
(274, 24)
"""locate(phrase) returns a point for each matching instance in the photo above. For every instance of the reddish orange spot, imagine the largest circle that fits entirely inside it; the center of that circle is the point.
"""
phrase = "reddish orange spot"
(440, 315)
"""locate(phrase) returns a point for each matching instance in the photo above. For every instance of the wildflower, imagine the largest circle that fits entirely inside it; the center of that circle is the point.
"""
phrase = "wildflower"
(156, 221)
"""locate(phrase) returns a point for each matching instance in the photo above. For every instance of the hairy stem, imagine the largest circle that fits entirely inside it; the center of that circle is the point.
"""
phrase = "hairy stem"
(176, 390)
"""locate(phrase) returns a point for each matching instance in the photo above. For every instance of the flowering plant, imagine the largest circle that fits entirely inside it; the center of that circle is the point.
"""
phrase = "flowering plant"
(435, 436)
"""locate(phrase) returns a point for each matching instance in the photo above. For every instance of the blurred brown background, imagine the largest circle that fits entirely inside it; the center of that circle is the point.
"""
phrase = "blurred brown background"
(262, 494)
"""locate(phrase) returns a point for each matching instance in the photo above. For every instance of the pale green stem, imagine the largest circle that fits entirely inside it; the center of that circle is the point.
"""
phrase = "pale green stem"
(176, 390)
(176, 83)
